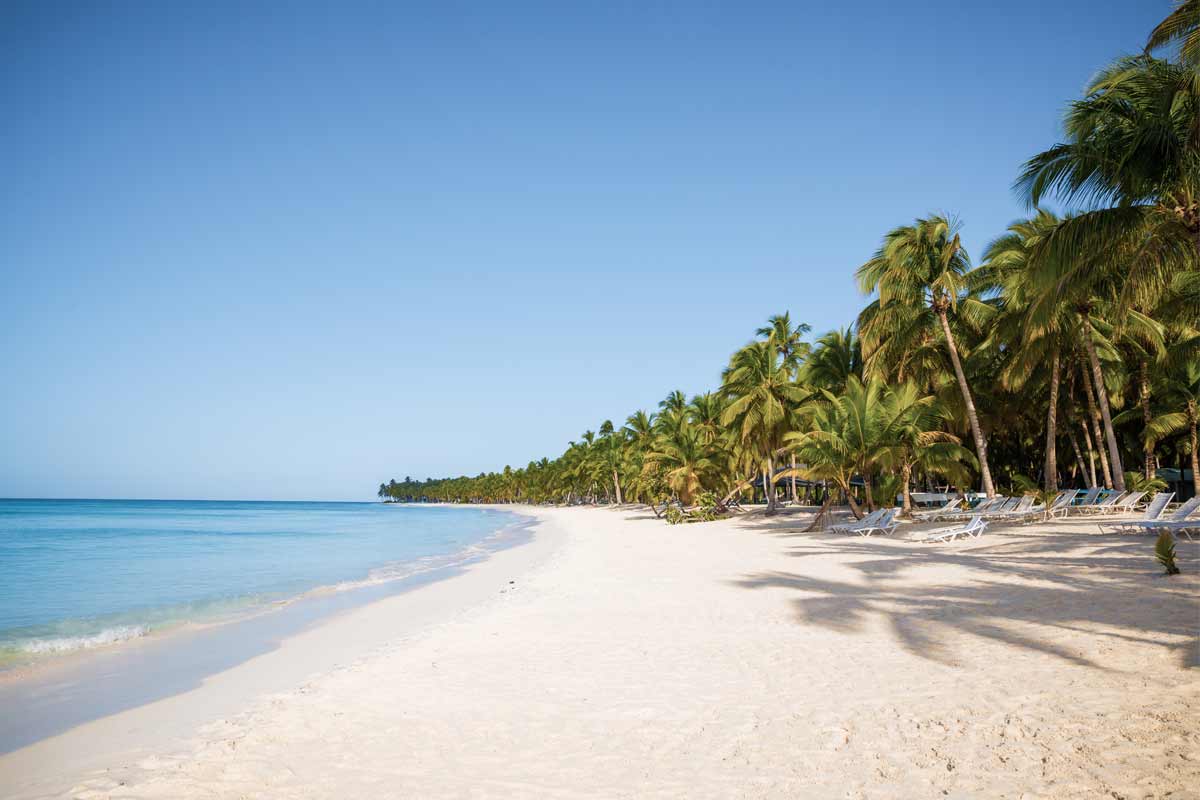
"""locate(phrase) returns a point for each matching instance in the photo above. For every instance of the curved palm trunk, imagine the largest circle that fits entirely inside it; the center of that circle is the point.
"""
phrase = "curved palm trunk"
(906, 502)
(1148, 443)
(617, 487)
(972, 417)
(1051, 467)
(1078, 455)
(1094, 415)
(1091, 462)
(854, 507)
(1110, 435)
(823, 514)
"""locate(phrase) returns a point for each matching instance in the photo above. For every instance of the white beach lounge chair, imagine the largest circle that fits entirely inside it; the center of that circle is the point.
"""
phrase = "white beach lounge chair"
(972, 527)
(1126, 504)
(881, 521)
(1180, 520)
(1154, 510)
(1013, 509)
(1057, 508)
(933, 513)
(886, 525)
(984, 506)
(1103, 505)
(869, 519)
(1085, 501)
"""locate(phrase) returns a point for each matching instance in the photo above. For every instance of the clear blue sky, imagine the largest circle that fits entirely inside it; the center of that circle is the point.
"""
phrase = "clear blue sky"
(288, 252)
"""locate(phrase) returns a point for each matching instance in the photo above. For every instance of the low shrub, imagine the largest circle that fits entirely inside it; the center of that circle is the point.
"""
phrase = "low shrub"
(1164, 551)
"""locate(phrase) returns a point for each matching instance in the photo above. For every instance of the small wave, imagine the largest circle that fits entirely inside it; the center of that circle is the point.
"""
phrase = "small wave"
(67, 644)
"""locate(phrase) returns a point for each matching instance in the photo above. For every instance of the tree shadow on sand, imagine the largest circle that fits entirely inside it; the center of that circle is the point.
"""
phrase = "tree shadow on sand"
(1101, 585)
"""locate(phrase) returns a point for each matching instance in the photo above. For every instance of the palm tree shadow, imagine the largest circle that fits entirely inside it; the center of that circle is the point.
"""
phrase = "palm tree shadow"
(1105, 586)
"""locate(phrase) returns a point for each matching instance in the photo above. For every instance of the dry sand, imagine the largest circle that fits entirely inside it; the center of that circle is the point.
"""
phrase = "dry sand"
(742, 658)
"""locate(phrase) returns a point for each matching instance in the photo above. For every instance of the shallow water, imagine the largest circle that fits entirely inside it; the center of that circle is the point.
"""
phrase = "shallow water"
(81, 574)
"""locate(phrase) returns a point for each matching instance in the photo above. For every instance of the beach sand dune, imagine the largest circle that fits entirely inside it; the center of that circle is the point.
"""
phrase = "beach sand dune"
(745, 658)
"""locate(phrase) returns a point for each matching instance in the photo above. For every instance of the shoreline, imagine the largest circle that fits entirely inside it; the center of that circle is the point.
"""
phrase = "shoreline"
(742, 657)
(234, 667)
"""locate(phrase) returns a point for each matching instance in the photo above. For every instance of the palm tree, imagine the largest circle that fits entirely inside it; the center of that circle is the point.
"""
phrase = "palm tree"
(919, 275)
(612, 454)
(686, 461)
(789, 342)
(1180, 389)
(1182, 28)
(762, 398)
(836, 356)
(910, 435)
(1131, 165)
(705, 412)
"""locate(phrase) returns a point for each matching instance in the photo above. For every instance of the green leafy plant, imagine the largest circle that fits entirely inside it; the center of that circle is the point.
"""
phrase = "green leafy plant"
(1137, 482)
(1164, 551)
(708, 508)
(674, 515)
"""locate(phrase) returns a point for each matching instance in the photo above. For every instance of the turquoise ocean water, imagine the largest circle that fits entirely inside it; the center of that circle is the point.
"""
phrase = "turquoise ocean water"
(80, 574)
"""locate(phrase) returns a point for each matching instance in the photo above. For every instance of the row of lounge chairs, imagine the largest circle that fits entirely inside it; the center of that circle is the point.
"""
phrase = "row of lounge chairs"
(1024, 509)
(975, 521)
(1183, 520)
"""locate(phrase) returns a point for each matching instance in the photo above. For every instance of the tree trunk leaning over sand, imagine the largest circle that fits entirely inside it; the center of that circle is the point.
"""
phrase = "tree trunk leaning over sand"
(980, 445)
(1094, 416)
(1114, 453)
(1078, 455)
(1093, 483)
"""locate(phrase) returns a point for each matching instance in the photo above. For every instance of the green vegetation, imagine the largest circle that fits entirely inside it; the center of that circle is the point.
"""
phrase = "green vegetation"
(1077, 334)
(1164, 551)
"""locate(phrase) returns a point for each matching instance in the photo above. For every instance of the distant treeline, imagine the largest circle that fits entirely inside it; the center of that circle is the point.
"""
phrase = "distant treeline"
(1070, 355)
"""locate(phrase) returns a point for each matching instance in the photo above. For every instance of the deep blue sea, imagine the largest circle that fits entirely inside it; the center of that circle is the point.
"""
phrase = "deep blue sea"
(78, 574)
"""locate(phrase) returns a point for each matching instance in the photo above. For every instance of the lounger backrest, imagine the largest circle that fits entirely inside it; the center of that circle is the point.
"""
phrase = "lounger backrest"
(870, 519)
(1008, 505)
(1063, 498)
(1111, 500)
(1185, 510)
(1157, 504)
(1090, 497)
(1025, 503)
(1130, 500)
(986, 504)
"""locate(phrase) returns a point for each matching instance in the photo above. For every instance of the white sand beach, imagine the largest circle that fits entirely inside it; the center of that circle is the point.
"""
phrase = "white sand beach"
(621, 657)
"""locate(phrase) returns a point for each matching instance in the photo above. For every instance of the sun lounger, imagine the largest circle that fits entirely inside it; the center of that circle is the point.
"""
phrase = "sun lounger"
(1013, 509)
(1180, 520)
(1103, 505)
(1057, 508)
(1153, 511)
(869, 519)
(973, 527)
(1087, 500)
(985, 506)
(1126, 504)
(884, 523)
(950, 507)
